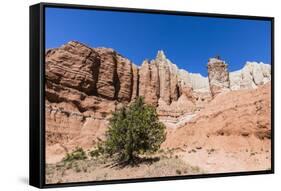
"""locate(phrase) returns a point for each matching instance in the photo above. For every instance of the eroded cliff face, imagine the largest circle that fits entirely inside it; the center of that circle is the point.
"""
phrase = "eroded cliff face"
(85, 85)
(244, 113)
(149, 82)
(168, 83)
(251, 76)
(218, 76)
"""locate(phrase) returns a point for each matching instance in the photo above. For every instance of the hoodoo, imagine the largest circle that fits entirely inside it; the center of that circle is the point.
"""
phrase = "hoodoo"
(85, 85)
(218, 76)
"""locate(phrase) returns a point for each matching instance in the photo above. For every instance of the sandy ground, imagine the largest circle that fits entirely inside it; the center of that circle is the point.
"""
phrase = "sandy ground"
(99, 169)
(218, 155)
(248, 155)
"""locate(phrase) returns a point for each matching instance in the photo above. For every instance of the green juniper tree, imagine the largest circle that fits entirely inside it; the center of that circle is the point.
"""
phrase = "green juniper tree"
(134, 130)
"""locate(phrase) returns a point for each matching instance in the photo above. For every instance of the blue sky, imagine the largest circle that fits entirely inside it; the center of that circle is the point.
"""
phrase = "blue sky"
(188, 41)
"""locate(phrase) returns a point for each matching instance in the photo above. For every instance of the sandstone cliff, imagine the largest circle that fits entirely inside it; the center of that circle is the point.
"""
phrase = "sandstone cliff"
(218, 76)
(84, 85)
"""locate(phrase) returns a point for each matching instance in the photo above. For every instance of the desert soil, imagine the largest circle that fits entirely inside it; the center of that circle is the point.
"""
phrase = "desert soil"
(248, 155)
(105, 169)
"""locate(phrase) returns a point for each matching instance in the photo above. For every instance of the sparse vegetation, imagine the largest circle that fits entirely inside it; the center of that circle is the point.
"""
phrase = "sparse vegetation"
(77, 154)
(95, 169)
(98, 150)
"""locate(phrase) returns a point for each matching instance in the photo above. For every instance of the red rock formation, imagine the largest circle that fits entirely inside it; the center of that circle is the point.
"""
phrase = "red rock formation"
(164, 77)
(107, 85)
(115, 76)
(218, 76)
(135, 88)
(84, 85)
(73, 65)
(149, 82)
(242, 113)
(124, 78)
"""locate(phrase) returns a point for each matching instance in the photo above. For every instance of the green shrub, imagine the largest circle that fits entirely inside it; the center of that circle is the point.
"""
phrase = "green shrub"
(98, 150)
(77, 154)
(134, 130)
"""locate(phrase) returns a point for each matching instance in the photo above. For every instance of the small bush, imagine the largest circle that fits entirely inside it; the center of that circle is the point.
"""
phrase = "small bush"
(178, 172)
(133, 130)
(98, 151)
(77, 154)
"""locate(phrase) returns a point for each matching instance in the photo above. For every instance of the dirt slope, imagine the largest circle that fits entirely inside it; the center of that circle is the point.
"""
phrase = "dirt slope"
(232, 133)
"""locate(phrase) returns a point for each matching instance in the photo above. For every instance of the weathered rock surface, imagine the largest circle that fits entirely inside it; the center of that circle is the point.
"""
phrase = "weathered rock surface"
(177, 108)
(135, 90)
(234, 128)
(95, 71)
(149, 82)
(73, 65)
(67, 128)
(75, 72)
(218, 76)
(199, 82)
(108, 85)
(115, 77)
(171, 82)
(243, 113)
(164, 76)
(251, 75)
(85, 85)
(184, 82)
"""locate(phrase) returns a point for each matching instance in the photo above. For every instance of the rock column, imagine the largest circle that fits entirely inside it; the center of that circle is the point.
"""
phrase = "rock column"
(218, 76)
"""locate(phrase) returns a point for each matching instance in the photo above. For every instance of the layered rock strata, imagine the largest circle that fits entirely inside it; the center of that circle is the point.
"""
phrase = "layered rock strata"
(85, 85)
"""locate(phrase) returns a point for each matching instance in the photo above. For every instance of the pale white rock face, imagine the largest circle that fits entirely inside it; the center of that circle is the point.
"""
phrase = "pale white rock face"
(184, 78)
(257, 75)
(199, 82)
(184, 82)
(235, 80)
(251, 75)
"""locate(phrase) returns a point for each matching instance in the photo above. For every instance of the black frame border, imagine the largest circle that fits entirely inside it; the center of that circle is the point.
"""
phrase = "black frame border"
(37, 98)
